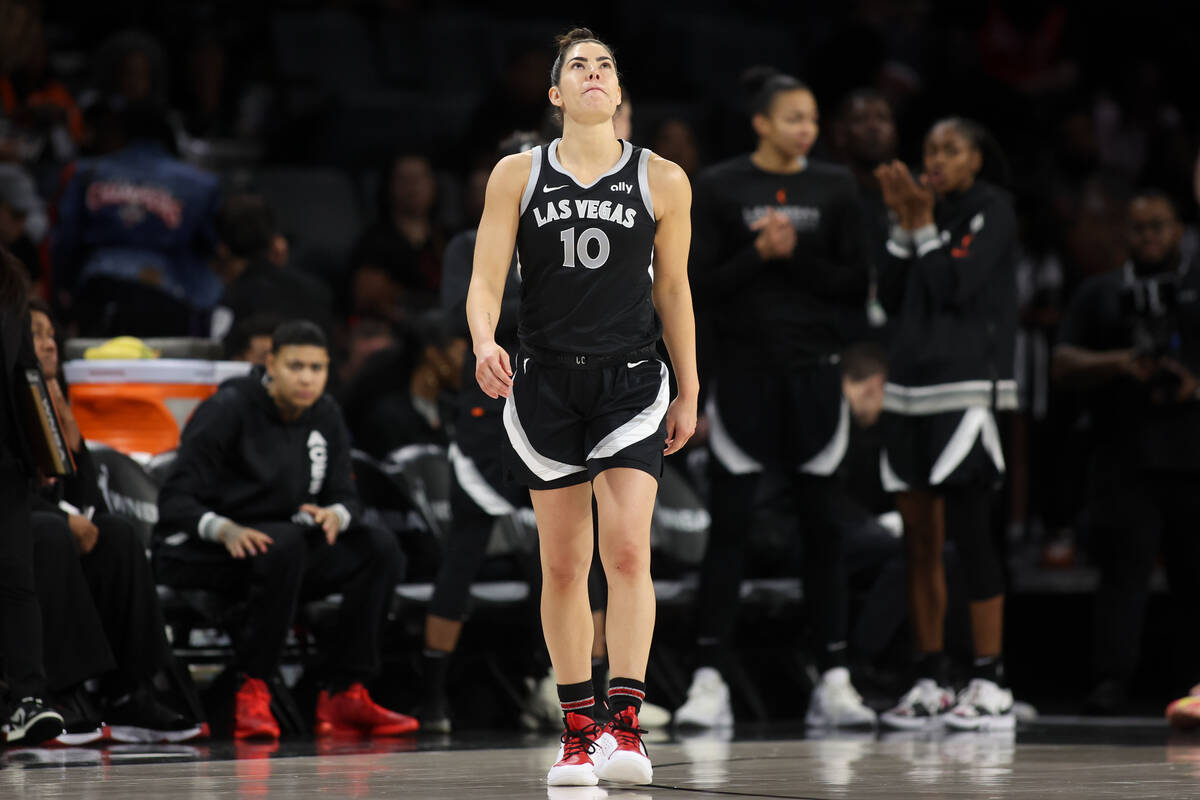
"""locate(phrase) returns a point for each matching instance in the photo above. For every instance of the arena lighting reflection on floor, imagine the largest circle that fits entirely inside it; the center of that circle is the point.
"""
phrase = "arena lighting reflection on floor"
(1065, 758)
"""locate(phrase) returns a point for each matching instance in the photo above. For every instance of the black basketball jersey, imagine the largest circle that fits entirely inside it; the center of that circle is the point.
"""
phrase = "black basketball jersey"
(585, 255)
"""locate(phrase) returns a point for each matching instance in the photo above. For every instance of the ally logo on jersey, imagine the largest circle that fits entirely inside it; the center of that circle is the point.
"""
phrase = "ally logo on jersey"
(586, 209)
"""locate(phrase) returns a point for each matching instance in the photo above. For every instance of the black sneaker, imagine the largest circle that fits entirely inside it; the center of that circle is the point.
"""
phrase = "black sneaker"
(31, 722)
(139, 718)
(435, 714)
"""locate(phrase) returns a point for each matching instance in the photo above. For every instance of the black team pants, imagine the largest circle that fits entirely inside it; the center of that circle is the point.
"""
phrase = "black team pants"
(364, 564)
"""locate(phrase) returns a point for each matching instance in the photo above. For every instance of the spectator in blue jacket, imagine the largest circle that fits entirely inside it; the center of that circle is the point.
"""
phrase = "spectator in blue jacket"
(135, 236)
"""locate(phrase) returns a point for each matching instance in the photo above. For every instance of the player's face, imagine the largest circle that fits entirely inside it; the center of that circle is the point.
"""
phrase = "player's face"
(871, 131)
(44, 344)
(865, 398)
(298, 374)
(588, 91)
(951, 161)
(1154, 230)
(791, 123)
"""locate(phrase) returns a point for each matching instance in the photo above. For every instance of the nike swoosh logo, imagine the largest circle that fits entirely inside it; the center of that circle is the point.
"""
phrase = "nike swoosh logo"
(636, 363)
(546, 188)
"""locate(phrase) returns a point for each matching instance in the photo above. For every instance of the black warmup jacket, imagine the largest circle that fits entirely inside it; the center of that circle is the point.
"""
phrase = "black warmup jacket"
(239, 459)
(781, 312)
(953, 294)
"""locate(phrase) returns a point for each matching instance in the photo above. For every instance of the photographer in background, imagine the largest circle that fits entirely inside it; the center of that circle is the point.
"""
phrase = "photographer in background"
(1131, 342)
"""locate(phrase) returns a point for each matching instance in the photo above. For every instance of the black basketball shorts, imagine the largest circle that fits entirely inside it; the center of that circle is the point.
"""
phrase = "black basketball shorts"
(950, 448)
(567, 425)
(791, 419)
(478, 463)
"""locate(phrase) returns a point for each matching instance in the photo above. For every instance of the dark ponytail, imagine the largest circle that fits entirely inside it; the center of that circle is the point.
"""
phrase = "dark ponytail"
(762, 83)
(995, 168)
(566, 41)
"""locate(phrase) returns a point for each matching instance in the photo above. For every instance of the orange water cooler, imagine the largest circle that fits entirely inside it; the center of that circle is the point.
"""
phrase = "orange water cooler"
(140, 406)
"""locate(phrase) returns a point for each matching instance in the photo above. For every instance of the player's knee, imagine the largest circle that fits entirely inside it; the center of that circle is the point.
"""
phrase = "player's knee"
(625, 559)
(565, 570)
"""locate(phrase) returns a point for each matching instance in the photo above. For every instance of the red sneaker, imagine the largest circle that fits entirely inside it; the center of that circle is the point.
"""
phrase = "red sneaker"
(579, 756)
(625, 757)
(354, 712)
(252, 715)
(1184, 713)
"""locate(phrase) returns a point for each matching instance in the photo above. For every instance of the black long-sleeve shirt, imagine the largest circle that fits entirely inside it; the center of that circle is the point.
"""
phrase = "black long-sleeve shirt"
(953, 285)
(240, 460)
(778, 312)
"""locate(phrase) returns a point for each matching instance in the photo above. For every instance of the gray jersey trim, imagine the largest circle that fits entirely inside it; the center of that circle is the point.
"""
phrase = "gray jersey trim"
(535, 169)
(643, 174)
(552, 151)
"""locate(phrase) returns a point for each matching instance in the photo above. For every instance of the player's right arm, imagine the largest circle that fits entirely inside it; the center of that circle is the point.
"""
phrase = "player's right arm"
(493, 254)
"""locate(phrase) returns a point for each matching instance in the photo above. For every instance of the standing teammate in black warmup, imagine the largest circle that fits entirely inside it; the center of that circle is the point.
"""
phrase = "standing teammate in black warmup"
(952, 280)
(777, 264)
(602, 230)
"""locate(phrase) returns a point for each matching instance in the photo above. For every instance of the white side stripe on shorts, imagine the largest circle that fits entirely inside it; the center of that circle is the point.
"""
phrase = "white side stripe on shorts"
(976, 423)
(828, 460)
(888, 478)
(546, 469)
(724, 448)
(476, 486)
(644, 424)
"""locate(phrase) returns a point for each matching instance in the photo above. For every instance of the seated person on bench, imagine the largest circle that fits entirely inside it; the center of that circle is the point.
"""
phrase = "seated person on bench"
(260, 505)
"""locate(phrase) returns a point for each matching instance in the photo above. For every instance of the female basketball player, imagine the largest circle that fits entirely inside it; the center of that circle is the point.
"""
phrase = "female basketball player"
(602, 230)
(777, 265)
(952, 279)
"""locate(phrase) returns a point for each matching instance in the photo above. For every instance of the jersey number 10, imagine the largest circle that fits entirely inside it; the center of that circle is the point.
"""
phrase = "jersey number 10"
(583, 248)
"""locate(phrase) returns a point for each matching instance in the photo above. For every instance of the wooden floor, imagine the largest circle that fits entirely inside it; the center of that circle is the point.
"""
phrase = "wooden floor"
(1137, 760)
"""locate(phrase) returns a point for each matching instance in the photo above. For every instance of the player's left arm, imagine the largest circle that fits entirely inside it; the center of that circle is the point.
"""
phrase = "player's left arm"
(672, 197)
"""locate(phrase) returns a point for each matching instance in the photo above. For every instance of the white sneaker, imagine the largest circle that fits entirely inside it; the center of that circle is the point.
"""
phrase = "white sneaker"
(923, 707)
(544, 711)
(983, 706)
(836, 704)
(578, 755)
(708, 704)
(621, 756)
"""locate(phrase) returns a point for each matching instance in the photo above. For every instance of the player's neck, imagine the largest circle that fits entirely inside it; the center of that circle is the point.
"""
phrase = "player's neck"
(588, 150)
(771, 159)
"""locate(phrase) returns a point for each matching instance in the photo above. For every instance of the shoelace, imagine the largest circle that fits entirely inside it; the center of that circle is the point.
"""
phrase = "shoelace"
(580, 741)
(627, 735)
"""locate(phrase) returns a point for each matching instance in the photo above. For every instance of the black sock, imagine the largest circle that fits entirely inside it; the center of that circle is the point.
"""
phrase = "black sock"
(989, 668)
(579, 698)
(600, 682)
(625, 693)
(434, 665)
(600, 675)
(933, 666)
(830, 656)
(711, 653)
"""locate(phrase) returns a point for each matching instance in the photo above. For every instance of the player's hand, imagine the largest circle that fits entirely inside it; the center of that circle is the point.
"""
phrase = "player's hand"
(493, 370)
(86, 532)
(681, 424)
(326, 518)
(242, 542)
(776, 236)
